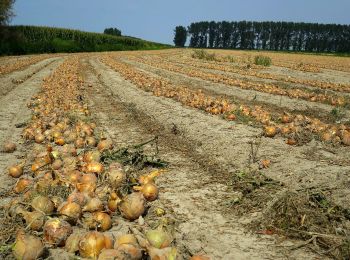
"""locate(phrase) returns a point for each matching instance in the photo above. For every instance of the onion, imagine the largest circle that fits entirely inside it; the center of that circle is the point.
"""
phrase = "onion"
(231, 117)
(94, 204)
(34, 220)
(39, 138)
(291, 141)
(158, 238)
(57, 201)
(167, 253)
(88, 188)
(125, 239)
(57, 164)
(21, 185)
(60, 141)
(270, 131)
(70, 212)
(43, 204)
(130, 252)
(346, 138)
(9, 147)
(104, 145)
(56, 231)
(143, 179)
(79, 143)
(116, 177)
(91, 141)
(110, 254)
(113, 202)
(101, 221)
(94, 167)
(16, 171)
(74, 176)
(27, 247)
(78, 198)
(92, 156)
(132, 206)
(91, 244)
(72, 242)
(149, 191)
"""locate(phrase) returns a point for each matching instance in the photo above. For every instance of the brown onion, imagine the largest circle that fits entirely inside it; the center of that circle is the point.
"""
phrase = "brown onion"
(72, 242)
(57, 164)
(34, 220)
(77, 197)
(104, 145)
(92, 156)
(91, 141)
(113, 202)
(125, 239)
(43, 204)
(39, 138)
(93, 204)
(270, 131)
(132, 206)
(101, 221)
(116, 178)
(21, 185)
(27, 247)
(110, 254)
(16, 171)
(94, 167)
(149, 191)
(70, 212)
(56, 231)
(130, 251)
(91, 244)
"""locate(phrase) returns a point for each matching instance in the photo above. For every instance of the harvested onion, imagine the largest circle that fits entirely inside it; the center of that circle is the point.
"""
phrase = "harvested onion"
(27, 247)
(158, 238)
(34, 220)
(132, 206)
(56, 231)
(72, 242)
(70, 212)
(93, 204)
(43, 204)
(149, 191)
(16, 171)
(91, 244)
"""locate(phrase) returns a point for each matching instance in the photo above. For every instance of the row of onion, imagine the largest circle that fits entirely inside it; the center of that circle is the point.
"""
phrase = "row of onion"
(66, 193)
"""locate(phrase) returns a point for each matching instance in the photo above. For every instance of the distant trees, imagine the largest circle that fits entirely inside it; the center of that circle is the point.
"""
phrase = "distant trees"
(6, 11)
(281, 36)
(180, 36)
(113, 31)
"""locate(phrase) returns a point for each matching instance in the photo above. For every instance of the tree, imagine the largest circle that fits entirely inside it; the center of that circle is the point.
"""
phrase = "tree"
(180, 36)
(6, 11)
(113, 31)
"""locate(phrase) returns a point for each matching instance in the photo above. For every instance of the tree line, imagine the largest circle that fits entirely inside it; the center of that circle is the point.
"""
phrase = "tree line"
(278, 36)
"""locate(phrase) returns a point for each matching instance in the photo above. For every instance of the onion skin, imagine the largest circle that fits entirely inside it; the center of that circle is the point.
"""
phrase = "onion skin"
(27, 247)
(57, 231)
(43, 204)
(132, 206)
(91, 244)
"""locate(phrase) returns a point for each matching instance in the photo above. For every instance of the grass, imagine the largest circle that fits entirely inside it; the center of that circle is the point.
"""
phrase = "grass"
(262, 60)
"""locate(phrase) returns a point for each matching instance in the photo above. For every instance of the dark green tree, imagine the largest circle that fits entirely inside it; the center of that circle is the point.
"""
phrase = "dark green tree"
(113, 31)
(180, 36)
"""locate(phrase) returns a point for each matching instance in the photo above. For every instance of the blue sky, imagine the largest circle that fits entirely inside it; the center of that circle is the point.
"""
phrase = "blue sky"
(155, 20)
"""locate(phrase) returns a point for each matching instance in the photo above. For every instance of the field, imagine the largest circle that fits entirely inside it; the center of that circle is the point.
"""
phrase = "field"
(250, 161)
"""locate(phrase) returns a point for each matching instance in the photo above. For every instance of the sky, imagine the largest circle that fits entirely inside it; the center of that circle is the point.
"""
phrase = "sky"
(155, 20)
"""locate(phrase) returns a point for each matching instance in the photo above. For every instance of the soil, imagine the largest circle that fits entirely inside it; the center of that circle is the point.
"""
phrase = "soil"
(210, 212)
